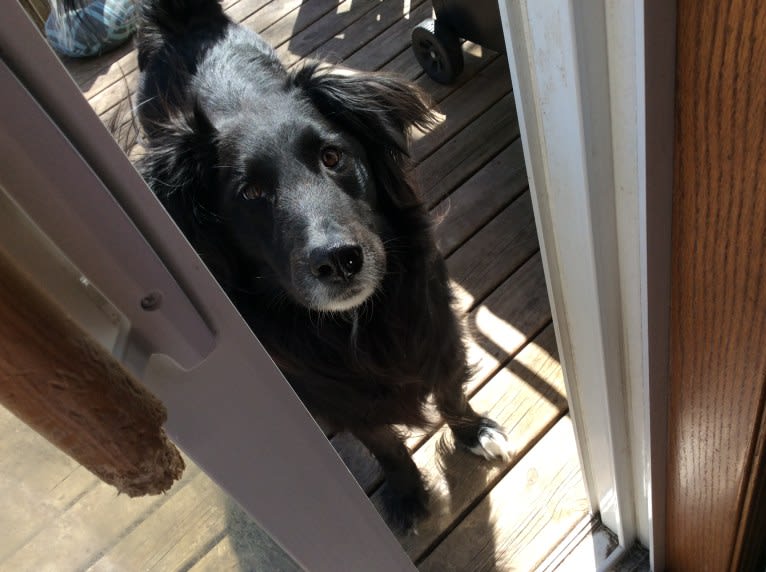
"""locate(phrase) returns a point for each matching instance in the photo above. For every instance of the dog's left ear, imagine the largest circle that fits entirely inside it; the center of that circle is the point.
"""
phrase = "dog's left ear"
(375, 105)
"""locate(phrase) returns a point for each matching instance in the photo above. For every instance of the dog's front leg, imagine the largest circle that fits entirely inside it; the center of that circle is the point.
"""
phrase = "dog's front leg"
(480, 435)
(405, 498)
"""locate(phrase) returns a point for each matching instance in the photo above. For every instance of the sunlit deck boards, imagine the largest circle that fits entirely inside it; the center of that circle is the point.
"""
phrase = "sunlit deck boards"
(471, 172)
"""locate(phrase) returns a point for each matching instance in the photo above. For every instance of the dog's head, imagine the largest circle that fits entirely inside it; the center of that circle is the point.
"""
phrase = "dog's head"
(300, 180)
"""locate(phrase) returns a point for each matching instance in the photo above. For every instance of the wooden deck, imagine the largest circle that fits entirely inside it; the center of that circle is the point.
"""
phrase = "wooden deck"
(522, 515)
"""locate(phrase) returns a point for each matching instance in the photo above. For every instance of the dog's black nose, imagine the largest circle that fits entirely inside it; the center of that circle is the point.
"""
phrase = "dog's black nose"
(336, 263)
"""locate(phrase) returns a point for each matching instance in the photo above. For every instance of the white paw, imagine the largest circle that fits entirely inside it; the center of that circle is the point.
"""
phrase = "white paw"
(493, 444)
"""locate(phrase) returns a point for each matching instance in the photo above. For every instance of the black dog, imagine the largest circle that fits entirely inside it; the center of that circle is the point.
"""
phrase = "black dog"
(293, 189)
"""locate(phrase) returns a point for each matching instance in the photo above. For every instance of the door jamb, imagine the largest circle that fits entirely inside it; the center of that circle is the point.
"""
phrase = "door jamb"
(594, 89)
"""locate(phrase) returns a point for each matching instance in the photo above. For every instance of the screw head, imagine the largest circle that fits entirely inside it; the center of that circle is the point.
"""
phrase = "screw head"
(151, 301)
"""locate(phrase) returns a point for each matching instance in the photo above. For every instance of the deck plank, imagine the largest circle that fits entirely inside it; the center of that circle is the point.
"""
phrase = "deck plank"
(469, 150)
(493, 253)
(507, 320)
(77, 536)
(391, 42)
(30, 465)
(27, 512)
(323, 30)
(208, 515)
(37, 453)
(152, 538)
(479, 199)
(404, 65)
(232, 553)
(587, 547)
(359, 461)
(463, 106)
(368, 27)
(243, 9)
(281, 27)
(476, 60)
(531, 509)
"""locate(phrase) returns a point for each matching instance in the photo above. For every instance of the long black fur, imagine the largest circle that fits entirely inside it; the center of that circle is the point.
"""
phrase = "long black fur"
(212, 100)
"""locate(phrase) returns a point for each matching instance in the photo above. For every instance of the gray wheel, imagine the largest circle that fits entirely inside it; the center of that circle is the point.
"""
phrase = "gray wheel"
(437, 50)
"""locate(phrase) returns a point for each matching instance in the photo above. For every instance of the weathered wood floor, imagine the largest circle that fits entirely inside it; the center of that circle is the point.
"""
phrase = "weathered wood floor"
(485, 516)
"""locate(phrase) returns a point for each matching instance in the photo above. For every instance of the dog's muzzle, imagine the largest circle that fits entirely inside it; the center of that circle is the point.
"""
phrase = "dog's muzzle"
(339, 272)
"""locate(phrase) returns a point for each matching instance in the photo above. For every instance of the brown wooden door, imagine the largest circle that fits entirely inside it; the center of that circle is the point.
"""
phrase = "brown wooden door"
(718, 301)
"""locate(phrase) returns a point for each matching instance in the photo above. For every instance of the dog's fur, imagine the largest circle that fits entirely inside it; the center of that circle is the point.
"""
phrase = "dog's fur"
(292, 186)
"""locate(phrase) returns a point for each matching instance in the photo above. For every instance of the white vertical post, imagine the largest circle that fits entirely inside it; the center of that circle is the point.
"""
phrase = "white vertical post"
(591, 133)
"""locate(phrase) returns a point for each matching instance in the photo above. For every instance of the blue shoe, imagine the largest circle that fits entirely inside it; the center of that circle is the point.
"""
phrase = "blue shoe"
(92, 30)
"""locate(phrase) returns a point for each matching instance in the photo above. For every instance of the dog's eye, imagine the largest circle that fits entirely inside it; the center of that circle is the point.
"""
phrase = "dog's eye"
(331, 157)
(250, 193)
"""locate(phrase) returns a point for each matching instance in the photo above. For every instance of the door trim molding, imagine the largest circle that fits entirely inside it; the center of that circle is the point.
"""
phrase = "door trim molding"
(594, 89)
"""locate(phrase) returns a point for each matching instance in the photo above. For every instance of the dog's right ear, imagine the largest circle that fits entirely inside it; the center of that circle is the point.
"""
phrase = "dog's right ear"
(179, 165)
(178, 162)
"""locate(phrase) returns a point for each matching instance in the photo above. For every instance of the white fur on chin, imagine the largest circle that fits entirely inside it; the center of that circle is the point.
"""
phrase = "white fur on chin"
(346, 304)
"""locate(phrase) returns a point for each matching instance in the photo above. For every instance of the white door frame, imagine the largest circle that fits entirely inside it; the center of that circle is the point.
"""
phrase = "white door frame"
(594, 88)
(593, 82)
